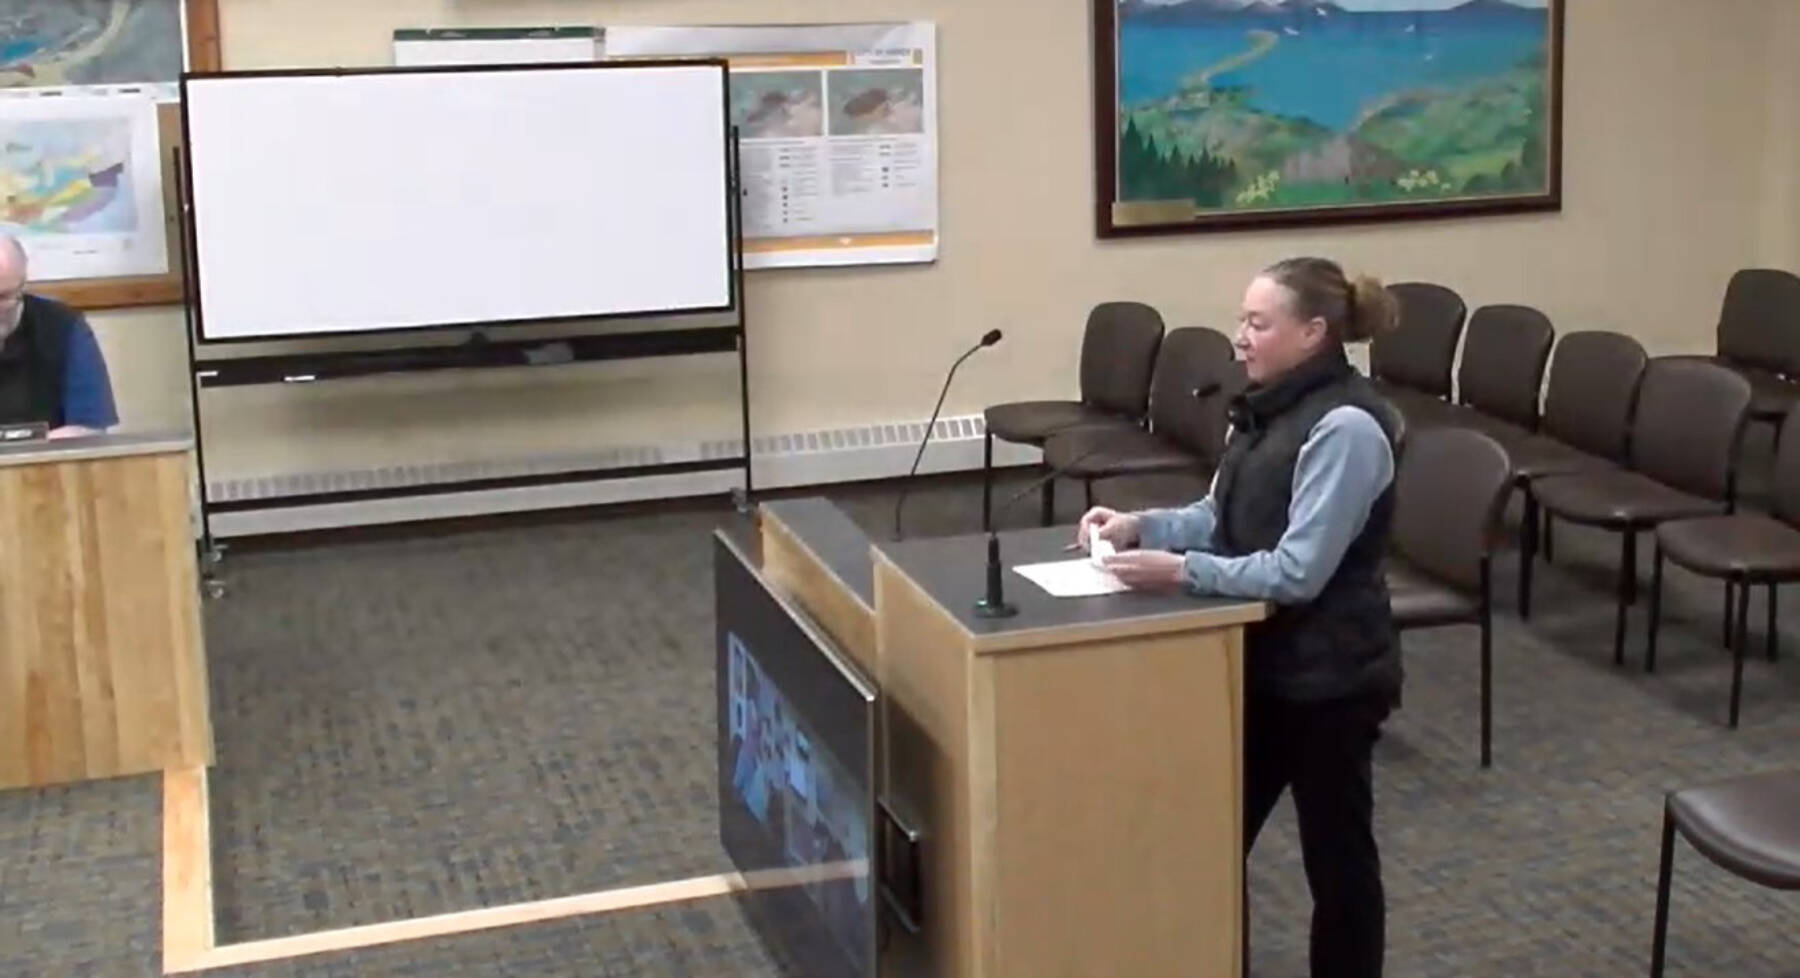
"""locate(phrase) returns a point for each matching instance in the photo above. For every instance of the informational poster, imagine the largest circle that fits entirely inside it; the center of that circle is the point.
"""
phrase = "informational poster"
(93, 46)
(838, 135)
(495, 45)
(81, 184)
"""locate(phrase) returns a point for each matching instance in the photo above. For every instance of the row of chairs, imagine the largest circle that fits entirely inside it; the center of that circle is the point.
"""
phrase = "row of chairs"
(1623, 442)
(1757, 337)
(1452, 483)
(1151, 401)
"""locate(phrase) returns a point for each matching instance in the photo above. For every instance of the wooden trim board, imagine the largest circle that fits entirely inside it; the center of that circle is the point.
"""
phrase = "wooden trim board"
(189, 938)
(187, 869)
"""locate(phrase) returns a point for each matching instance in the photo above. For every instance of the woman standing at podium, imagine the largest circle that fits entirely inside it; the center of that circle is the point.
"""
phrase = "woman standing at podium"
(1299, 516)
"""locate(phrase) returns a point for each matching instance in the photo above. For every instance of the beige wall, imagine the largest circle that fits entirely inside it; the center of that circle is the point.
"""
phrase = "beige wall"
(1781, 177)
(1680, 166)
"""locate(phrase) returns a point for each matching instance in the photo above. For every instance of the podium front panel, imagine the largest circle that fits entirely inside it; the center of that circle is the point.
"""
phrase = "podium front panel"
(102, 671)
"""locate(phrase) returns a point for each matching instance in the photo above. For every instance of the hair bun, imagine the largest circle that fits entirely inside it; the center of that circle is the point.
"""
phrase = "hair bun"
(1373, 310)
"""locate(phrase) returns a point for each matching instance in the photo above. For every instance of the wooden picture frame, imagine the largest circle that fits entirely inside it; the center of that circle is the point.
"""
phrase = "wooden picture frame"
(1218, 115)
(165, 289)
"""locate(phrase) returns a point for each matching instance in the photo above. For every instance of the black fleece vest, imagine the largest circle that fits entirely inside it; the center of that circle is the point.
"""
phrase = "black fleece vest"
(1342, 643)
(32, 362)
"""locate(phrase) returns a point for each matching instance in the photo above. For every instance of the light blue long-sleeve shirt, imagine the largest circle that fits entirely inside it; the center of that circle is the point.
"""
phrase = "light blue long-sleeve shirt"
(1344, 466)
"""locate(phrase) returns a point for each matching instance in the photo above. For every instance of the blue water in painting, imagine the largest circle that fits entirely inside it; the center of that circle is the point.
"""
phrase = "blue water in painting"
(1333, 67)
(18, 49)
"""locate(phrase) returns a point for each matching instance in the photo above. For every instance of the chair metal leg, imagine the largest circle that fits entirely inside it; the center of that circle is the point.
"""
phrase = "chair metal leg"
(1627, 576)
(1738, 648)
(1730, 591)
(1087, 487)
(1487, 665)
(1049, 501)
(987, 481)
(1660, 936)
(1528, 546)
(1549, 540)
(1774, 637)
(1656, 575)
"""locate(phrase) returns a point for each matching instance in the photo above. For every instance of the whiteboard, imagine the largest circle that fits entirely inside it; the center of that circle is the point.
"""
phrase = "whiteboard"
(328, 203)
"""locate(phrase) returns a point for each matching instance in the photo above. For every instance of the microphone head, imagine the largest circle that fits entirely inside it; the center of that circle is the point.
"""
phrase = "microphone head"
(991, 337)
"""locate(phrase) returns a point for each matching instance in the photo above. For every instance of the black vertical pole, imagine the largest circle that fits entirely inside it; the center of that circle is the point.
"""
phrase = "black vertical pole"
(743, 323)
(184, 202)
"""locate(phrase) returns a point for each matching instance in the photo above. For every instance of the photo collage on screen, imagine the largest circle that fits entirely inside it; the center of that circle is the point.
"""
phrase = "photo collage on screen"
(802, 795)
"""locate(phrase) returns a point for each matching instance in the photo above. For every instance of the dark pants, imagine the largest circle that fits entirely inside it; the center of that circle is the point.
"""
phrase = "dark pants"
(1323, 751)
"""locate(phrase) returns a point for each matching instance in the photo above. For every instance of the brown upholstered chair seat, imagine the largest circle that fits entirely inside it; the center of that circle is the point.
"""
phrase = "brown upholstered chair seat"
(1504, 432)
(1418, 601)
(1739, 545)
(1094, 452)
(1538, 457)
(1031, 422)
(1619, 499)
(1748, 825)
(1163, 490)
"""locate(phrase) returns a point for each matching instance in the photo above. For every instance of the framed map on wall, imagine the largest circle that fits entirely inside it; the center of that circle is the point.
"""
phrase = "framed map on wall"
(91, 187)
(1214, 114)
(84, 44)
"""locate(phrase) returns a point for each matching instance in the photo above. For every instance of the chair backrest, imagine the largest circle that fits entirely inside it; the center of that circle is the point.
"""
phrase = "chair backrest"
(1759, 321)
(1396, 423)
(1118, 354)
(1191, 360)
(1594, 379)
(1784, 490)
(1419, 352)
(1690, 414)
(1504, 356)
(1450, 489)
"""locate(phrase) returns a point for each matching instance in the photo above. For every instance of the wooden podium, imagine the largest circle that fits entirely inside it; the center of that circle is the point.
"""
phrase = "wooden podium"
(102, 671)
(1075, 770)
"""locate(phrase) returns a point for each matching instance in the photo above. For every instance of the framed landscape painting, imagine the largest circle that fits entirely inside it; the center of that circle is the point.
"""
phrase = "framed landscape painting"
(1218, 114)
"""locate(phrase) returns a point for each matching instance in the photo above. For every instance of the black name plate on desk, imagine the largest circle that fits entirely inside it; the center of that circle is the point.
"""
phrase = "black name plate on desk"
(14, 433)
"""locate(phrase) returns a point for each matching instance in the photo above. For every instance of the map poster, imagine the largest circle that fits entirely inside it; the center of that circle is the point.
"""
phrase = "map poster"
(81, 184)
(838, 135)
(127, 46)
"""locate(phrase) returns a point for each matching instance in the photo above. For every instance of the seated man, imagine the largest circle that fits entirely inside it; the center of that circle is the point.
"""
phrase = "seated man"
(51, 368)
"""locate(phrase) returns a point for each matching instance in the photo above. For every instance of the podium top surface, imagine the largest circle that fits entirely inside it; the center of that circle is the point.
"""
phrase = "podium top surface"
(953, 572)
(94, 447)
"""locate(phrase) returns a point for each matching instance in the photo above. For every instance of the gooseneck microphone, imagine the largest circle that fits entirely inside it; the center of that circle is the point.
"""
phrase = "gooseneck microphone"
(988, 339)
(993, 603)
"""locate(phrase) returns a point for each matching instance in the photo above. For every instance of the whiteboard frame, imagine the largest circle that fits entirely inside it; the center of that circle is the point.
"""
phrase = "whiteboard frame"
(734, 253)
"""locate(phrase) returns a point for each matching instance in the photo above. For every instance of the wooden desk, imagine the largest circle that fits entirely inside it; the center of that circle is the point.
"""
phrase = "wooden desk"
(102, 669)
(1077, 769)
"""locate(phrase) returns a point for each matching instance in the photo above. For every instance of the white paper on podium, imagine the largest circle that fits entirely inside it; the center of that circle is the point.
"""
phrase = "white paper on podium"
(1078, 578)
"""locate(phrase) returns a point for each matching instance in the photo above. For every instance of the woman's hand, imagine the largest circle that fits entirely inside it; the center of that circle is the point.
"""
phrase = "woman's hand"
(1146, 570)
(1116, 528)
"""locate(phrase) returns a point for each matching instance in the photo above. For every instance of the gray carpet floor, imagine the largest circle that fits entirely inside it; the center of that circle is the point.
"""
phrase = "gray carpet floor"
(410, 725)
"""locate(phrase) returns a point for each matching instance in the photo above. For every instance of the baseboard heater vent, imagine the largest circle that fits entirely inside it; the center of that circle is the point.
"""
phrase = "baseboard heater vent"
(786, 460)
